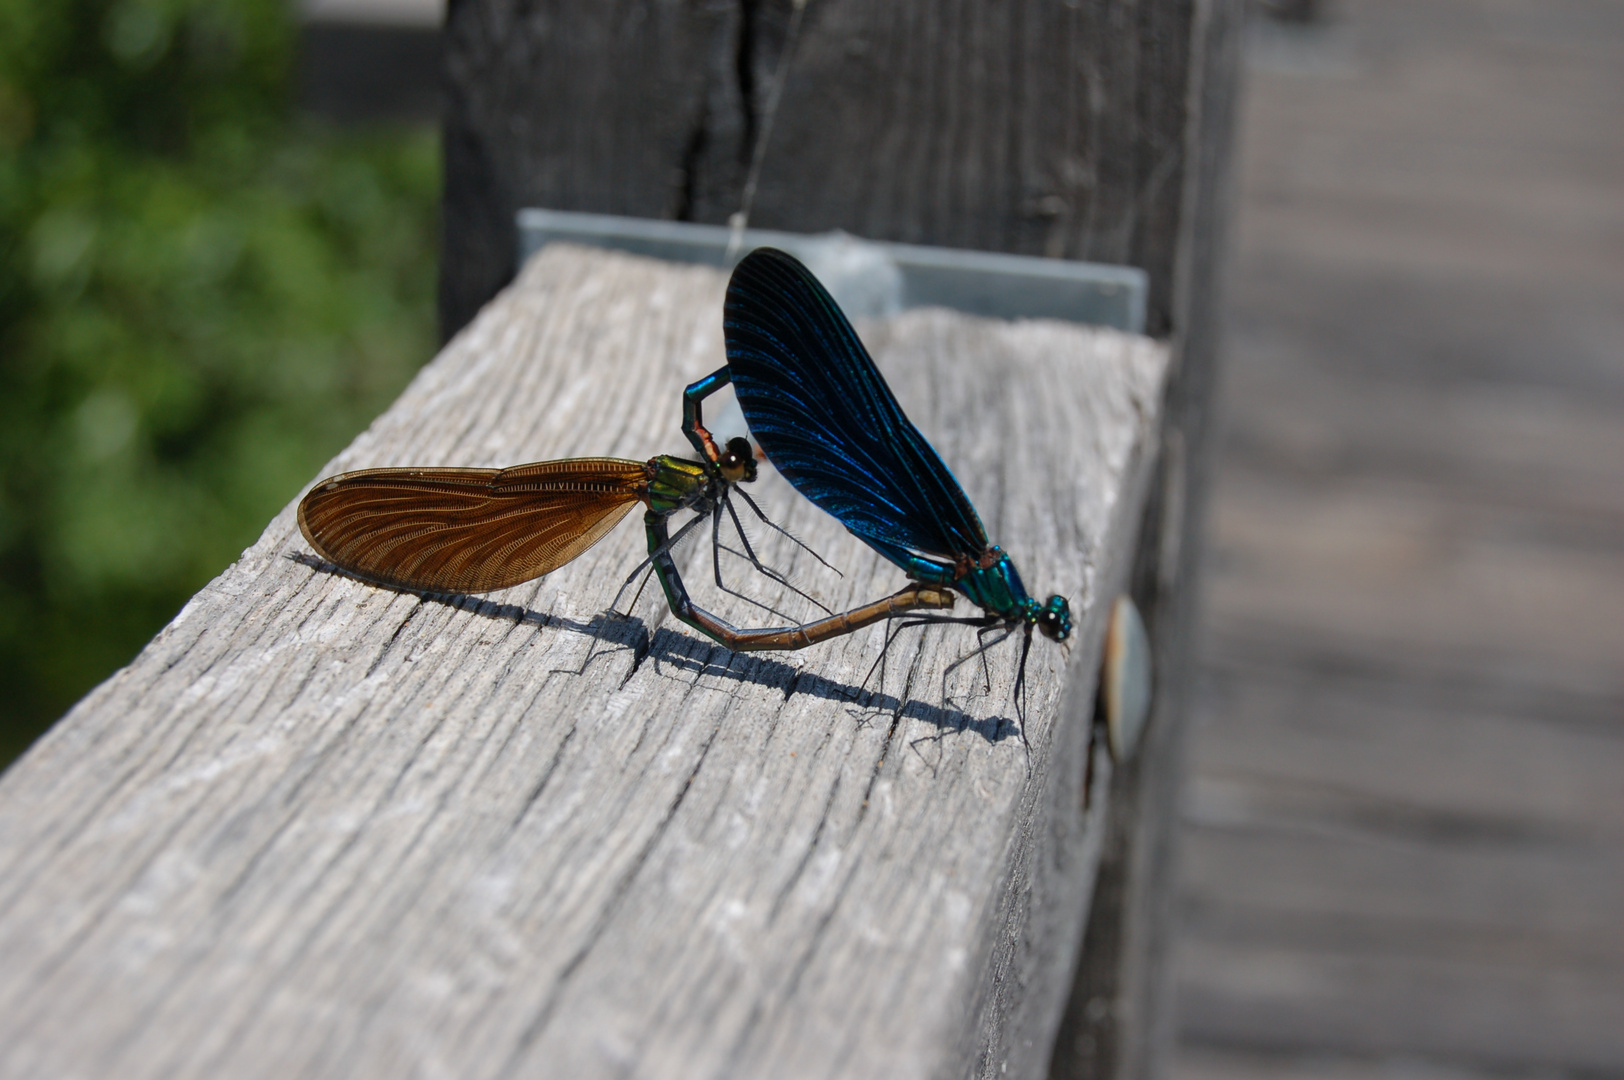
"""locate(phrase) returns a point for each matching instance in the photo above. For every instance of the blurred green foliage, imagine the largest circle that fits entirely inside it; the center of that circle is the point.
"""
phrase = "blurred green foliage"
(202, 298)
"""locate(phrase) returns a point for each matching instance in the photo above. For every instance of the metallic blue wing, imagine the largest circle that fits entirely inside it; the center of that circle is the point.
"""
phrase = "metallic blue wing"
(827, 420)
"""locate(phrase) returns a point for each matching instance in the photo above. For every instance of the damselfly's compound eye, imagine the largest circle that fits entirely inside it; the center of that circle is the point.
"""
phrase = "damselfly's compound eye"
(1055, 618)
(738, 462)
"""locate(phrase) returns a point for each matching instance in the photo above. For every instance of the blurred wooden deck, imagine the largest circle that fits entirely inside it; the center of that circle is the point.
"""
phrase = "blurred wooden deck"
(1403, 850)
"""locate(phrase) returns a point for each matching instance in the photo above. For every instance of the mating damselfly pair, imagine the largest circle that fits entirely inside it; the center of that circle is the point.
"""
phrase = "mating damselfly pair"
(823, 416)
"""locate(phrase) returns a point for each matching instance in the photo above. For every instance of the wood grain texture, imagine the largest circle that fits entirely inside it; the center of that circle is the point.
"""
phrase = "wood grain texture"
(1031, 126)
(319, 828)
(602, 107)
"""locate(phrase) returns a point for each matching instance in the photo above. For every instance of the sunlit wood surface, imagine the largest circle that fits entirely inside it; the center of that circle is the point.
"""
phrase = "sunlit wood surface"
(1403, 851)
(323, 829)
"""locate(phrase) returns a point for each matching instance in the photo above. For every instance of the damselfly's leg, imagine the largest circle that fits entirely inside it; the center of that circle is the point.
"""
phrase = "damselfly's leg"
(1020, 692)
(981, 648)
(717, 547)
(664, 550)
(986, 672)
(638, 595)
(745, 495)
(980, 651)
(749, 554)
(914, 620)
(885, 650)
(716, 565)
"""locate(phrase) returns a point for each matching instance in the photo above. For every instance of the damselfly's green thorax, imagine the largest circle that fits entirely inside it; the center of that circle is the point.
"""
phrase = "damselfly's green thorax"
(679, 484)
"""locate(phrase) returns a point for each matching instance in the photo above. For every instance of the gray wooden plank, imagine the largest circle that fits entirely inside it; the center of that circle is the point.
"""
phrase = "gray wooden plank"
(1026, 127)
(1348, 879)
(319, 828)
(1402, 834)
(1442, 875)
(1406, 756)
(1506, 1016)
(1420, 571)
(1230, 1063)
(1547, 453)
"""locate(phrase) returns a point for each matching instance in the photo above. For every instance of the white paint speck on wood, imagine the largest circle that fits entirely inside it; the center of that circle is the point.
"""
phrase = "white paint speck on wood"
(322, 829)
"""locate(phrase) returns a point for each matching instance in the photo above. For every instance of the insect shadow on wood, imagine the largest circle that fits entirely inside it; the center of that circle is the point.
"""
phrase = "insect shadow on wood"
(987, 638)
(617, 629)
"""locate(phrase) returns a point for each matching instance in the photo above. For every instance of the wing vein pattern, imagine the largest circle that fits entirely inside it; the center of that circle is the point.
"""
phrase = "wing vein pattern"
(826, 419)
(468, 530)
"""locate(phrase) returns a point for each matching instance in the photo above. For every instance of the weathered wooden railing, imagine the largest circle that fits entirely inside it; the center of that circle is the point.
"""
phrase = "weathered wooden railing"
(1084, 129)
(323, 829)
(320, 828)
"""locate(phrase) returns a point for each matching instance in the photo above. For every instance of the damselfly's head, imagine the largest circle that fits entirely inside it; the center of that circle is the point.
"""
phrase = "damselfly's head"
(1054, 618)
(737, 463)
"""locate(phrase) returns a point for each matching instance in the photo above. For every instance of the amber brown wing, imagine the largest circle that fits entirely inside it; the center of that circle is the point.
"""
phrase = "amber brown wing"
(467, 530)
